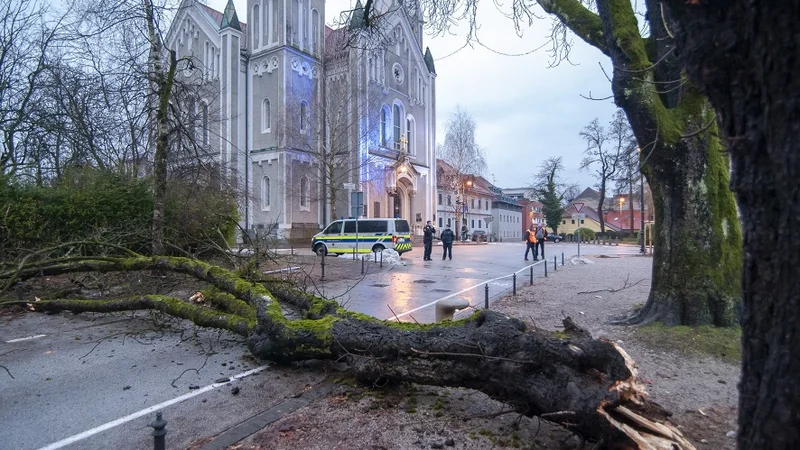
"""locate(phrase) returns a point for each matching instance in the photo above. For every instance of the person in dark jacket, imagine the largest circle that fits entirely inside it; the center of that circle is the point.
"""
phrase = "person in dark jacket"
(427, 240)
(530, 243)
(447, 238)
(541, 236)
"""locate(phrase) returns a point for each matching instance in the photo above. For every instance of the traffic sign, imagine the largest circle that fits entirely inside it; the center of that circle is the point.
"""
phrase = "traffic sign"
(578, 216)
(578, 206)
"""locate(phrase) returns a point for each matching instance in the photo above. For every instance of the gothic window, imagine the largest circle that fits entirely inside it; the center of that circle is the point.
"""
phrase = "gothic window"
(384, 125)
(192, 118)
(397, 127)
(410, 125)
(204, 113)
(303, 116)
(265, 194)
(315, 31)
(267, 8)
(256, 33)
(206, 61)
(275, 26)
(304, 192)
(306, 34)
(266, 116)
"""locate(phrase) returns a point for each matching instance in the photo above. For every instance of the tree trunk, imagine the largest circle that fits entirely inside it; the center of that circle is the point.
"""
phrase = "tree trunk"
(743, 55)
(697, 242)
(589, 386)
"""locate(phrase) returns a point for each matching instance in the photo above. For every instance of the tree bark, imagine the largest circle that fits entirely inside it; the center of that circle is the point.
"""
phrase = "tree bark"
(743, 55)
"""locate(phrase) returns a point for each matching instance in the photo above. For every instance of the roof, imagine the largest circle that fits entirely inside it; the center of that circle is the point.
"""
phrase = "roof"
(429, 60)
(357, 18)
(219, 17)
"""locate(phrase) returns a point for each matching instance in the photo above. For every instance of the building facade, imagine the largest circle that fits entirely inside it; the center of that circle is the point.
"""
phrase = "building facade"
(300, 116)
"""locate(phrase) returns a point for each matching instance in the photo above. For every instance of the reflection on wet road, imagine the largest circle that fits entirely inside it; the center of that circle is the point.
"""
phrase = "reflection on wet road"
(409, 292)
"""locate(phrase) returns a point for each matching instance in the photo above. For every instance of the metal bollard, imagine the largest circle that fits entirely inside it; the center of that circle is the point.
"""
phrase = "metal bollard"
(555, 263)
(531, 275)
(381, 259)
(159, 432)
(19, 290)
(486, 294)
(322, 265)
(445, 308)
(292, 249)
(514, 284)
(545, 268)
(362, 265)
(562, 258)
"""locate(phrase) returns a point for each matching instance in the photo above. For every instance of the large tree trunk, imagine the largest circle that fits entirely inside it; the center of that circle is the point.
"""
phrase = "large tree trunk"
(697, 256)
(589, 386)
(696, 271)
(743, 54)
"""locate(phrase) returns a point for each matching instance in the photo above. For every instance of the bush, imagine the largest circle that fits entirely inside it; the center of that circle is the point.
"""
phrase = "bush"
(88, 204)
(586, 233)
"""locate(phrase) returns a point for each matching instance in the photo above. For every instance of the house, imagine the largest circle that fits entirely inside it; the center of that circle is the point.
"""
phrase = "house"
(464, 201)
(300, 116)
(507, 215)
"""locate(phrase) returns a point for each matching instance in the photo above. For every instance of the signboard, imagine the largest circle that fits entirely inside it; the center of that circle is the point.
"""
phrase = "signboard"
(356, 204)
(578, 216)
(578, 206)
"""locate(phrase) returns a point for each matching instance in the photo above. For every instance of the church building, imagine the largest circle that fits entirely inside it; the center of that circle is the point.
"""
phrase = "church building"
(301, 116)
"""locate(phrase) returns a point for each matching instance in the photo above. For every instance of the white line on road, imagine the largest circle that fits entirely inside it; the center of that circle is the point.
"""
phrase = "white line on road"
(26, 338)
(395, 317)
(136, 415)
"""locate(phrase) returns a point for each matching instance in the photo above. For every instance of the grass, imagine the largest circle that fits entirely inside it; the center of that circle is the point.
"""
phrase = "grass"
(723, 343)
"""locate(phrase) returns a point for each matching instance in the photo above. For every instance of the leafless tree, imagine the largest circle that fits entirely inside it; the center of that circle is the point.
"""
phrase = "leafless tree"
(465, 158)
(605, 154)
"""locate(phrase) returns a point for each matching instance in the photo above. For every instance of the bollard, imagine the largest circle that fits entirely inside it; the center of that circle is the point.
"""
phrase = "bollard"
(19, 290)
(531, 275)
(545, 268)
(445, 308)
(291, 247)
(486, 294)
(381, 259)
(375, 254)
(362, 265)
(514, 284)
(159, 432)
(555, 263)
(322, 265)
(562, 258)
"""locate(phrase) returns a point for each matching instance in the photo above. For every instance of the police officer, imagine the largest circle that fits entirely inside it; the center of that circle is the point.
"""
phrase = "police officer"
(427, 239)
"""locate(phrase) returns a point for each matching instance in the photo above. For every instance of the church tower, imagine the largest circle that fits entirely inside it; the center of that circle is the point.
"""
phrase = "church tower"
(285, 47)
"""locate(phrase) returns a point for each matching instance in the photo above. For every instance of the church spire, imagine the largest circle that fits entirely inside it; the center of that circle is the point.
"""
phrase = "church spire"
(357, 19)
(229, 18)
(429, 60)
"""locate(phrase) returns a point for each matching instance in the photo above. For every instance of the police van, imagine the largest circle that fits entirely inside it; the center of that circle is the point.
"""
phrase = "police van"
(374, 235)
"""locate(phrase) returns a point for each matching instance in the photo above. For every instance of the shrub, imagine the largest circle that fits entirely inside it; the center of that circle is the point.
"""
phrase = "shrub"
(89, 204)
(586, 233)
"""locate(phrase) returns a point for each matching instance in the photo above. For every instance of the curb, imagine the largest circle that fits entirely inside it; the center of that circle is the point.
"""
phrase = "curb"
(257, 422)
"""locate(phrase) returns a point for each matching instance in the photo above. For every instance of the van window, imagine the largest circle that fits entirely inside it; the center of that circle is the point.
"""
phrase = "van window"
(334, 228)
(401, 226)
(373, 226)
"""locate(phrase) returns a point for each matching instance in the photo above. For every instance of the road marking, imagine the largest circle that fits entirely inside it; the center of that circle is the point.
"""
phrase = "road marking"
(150, 410)
(26, 338)
(395, 317)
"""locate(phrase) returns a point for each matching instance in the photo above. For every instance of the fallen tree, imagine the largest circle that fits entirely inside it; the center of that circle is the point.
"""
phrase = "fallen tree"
(587, 385)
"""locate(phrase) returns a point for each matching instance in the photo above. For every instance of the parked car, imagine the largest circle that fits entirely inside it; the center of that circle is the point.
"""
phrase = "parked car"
(552, 237)
(478, 236)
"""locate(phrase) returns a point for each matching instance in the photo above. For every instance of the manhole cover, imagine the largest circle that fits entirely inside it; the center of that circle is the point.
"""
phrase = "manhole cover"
(379, 285)
(424, 281)
(440, 290)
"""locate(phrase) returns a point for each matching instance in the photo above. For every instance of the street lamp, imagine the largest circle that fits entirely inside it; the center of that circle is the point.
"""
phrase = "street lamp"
(621, 201)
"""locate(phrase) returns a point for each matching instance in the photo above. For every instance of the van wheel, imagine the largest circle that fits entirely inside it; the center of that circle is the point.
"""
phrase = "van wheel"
(320, 250)
(378, 248)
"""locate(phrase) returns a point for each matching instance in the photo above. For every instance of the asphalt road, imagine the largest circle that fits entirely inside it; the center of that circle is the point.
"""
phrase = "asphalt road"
(95, 381)
(409, 292)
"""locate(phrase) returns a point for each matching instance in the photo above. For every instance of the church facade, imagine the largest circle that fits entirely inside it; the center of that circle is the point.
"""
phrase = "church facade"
(301, 116)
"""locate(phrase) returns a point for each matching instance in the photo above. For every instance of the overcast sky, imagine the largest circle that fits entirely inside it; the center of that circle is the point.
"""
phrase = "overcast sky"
(525, 112)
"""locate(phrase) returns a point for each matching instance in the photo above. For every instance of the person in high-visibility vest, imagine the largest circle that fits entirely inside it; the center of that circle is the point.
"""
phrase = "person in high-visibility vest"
(530, 243)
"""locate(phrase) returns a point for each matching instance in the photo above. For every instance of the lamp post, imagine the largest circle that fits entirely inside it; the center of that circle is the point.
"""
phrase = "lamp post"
(641, 198)
(621, 201)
